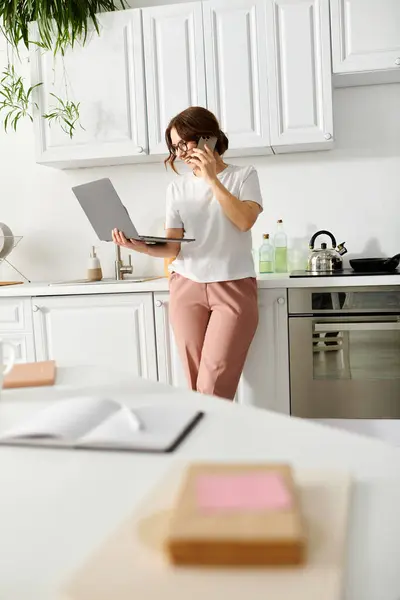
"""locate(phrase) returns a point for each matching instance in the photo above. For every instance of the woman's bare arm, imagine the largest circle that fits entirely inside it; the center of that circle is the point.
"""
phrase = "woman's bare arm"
(242, 213)
(170, 249)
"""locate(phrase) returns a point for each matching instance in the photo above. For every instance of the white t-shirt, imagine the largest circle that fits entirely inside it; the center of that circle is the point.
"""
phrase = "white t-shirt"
(221, 251)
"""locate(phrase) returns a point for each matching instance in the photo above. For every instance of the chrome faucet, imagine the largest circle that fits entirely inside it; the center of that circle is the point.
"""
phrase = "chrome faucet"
(120, 268)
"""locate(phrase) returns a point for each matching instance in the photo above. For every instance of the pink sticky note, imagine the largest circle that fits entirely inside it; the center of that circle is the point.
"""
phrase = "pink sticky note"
(252, 491)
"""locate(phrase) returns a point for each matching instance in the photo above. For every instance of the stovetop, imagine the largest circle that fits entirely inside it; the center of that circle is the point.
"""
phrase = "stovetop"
(342, 273)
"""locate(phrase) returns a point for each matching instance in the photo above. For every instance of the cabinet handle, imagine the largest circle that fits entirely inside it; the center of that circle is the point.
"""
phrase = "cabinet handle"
(159, 303)
(328, 136)
(140, 149)
(397, 61)
(281, 301)
(35, 308)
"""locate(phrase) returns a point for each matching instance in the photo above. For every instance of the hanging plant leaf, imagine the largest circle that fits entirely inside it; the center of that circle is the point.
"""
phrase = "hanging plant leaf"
(15, 100)
(60, 23)
(65, 113)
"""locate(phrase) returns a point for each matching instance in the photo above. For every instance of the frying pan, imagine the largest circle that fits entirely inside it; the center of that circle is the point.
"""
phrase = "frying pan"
(373, 265)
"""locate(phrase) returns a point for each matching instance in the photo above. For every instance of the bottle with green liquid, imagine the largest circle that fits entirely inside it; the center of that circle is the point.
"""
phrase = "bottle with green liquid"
(266, 255)
(280, 243)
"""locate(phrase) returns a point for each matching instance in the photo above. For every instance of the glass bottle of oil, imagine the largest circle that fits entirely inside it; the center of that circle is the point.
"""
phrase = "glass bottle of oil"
(266, 255)
(280, 243)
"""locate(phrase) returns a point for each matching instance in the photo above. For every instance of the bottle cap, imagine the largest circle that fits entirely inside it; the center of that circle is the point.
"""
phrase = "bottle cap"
(280, 221)
(266, 236)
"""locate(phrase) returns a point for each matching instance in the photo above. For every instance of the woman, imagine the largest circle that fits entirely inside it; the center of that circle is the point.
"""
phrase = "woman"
(213, 290)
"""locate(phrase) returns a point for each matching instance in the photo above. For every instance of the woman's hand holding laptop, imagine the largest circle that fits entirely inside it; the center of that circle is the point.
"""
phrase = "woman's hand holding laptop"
(119, 238)
(157, 250)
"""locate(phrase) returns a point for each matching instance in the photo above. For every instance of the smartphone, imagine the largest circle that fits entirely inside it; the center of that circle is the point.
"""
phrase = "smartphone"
(210, 140)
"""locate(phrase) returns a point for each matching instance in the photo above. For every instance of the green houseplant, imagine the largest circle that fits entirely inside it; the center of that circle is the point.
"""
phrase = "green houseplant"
(15, 99)
(65, 113)
(60, 24)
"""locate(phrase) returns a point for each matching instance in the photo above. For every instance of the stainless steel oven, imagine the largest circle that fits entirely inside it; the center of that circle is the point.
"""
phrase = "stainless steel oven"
(345, 352)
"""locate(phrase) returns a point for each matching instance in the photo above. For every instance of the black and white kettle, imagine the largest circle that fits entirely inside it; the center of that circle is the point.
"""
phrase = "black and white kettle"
(324, 259)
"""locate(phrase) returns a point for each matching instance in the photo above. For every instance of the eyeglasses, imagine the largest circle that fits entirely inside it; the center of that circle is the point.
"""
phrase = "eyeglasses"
(181, 145)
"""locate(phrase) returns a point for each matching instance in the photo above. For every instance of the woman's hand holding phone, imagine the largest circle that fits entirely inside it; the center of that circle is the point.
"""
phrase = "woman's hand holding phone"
(205, 163)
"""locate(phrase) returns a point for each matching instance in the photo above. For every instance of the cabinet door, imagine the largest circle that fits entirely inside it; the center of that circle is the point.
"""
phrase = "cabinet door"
(113, 330)
(16, 327)
(265, 379)
(170, 369)
(24, 346)
(15, 315)
(365, 35)
(174, 59)
(236, 70)
(106, 76)
(299, 74)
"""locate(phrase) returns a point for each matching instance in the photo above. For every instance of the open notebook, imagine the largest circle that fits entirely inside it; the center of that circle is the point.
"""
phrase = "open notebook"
(101, 423)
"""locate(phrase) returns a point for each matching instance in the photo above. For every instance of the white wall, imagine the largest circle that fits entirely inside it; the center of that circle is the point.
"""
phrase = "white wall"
(354, 191)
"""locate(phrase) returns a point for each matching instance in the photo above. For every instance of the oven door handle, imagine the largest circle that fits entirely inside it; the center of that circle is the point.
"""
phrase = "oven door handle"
(358, 326)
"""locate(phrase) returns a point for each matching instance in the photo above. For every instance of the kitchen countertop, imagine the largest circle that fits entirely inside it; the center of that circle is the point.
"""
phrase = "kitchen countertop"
(160, 284)
(57, 506)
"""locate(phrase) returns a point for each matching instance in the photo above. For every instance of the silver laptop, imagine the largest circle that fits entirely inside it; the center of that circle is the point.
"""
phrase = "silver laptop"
(105, 211)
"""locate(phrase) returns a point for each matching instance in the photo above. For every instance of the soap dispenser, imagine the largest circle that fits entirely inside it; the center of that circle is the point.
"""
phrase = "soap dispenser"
(94, 272)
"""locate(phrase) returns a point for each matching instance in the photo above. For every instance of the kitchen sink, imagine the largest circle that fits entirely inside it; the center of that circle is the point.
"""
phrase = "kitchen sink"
(104, 281)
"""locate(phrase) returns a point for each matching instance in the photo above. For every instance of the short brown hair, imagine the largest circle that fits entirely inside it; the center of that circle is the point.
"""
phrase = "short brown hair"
(191, 124)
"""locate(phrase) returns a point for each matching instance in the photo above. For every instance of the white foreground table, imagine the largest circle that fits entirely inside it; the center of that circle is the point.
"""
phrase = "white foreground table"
(56, 506)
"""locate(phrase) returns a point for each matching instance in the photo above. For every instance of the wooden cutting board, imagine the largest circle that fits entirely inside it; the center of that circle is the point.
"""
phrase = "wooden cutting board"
(31, 374)
(132, 563)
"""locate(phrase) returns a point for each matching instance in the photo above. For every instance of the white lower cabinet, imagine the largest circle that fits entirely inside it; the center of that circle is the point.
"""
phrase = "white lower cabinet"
(170, 369)
(15, 315)
(130, 332)
(106, 330)
(16, 327)
(265, 379)
(24, 346)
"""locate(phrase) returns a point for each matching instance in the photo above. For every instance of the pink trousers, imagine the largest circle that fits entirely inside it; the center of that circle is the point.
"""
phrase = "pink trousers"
(213, 325)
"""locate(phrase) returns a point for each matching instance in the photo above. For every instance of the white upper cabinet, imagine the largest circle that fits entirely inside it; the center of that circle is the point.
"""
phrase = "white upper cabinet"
(366, 36)
(262, 66)
(236, 70)
(106, 76)
(299, 75)
(174, 63)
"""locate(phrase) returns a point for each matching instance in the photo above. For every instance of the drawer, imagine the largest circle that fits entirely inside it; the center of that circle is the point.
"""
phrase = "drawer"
(15, 315)
(24, 346)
